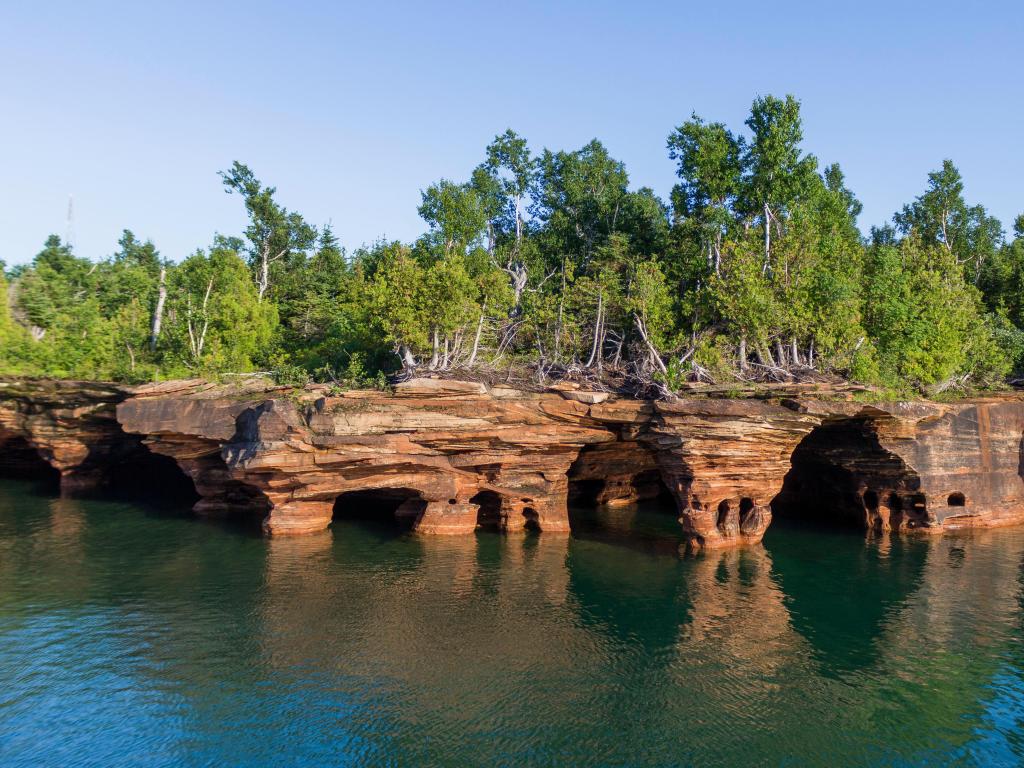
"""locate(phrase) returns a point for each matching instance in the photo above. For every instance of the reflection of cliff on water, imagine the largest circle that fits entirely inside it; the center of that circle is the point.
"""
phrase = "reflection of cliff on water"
(842, 589)
(651, 527)
(625, 573)
(632, 596)
(443, 633)
(142, 637)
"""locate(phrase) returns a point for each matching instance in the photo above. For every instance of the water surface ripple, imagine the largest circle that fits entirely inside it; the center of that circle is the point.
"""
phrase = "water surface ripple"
(138, 636)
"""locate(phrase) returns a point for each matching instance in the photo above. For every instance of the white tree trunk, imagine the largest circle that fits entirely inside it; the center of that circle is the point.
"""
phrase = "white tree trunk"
(597, 329)
(476, 339)
(158, 311)
(264, 280)
(408, 361)
(655, 355)
(436, 354)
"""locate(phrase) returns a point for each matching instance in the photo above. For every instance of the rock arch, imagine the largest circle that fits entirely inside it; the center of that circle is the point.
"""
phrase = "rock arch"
(842, 475)
(143, 474)
(615, 474)
(489, 510)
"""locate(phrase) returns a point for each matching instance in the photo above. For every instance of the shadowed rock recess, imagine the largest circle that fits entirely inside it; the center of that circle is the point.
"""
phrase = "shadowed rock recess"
(446, 457)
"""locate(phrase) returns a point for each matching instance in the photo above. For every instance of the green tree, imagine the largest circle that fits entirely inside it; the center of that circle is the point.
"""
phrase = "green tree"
(925, 319)
(777, 171)
(513, 168)
(217, 321)
(580, 198)
(709, 160)
(942, 217)
(398, 305)
(456, 216)
(277, 238)
(650, 304)
(16, 353)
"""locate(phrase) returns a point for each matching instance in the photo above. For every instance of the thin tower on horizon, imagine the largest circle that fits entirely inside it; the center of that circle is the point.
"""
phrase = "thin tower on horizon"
(69, 234)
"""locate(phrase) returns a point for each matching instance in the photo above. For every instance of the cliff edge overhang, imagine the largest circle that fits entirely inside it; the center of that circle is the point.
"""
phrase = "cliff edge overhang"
(451, 456)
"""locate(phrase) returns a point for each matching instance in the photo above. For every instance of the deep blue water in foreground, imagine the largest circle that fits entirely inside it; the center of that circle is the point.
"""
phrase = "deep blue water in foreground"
(136, 636)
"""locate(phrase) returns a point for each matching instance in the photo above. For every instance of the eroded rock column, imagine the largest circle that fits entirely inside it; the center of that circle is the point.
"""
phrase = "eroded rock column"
(724, 461)
(290, 518)
(731, 522)
(535, 499)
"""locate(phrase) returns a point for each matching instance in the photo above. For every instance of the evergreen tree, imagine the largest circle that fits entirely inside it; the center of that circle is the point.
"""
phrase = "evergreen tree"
(552, 264)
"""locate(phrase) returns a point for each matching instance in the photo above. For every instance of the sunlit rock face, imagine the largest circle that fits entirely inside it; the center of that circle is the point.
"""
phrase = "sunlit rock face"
(724, 461)
(448, 457)
(907, 466)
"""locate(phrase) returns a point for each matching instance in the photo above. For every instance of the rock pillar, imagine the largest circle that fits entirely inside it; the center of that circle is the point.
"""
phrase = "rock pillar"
(730, 523)
(447, 517)
(293, 517)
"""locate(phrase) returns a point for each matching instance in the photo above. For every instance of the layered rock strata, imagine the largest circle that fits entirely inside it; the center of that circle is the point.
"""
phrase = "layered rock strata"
(904, 466)
(71, 425)
(453, 456)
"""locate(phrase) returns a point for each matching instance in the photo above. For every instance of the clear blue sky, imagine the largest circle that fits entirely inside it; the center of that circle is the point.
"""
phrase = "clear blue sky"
(351, 109)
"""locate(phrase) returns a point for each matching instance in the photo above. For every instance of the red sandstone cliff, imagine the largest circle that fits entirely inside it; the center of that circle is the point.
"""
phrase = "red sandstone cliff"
(454, 455)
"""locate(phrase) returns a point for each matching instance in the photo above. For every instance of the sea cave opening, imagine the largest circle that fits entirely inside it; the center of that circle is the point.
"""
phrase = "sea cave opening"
(532, 519)
(397, 508)
(143, 475)
(615, 475)
(489, 515)
(746, 507)
(723, 512)
(19, 460)
(616, 493)
(841, 476)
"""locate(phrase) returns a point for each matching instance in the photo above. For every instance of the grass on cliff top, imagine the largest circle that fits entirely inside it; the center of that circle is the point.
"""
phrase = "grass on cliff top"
(296, 384)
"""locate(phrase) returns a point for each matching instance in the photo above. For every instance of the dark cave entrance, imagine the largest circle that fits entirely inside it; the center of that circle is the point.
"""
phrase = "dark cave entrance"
(395, 508)
(616, 494)
(842, 477)
(532, 519)
(488, 516)
(616, 475)
(153, 478)
(20, 461)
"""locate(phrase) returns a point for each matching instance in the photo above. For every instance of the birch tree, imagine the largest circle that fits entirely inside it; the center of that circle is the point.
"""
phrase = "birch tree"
(709, 165)
(777, 171)
(217, 321)
(277, 238)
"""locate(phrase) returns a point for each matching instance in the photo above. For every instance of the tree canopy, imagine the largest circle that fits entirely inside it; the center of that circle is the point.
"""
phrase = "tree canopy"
(551, 264)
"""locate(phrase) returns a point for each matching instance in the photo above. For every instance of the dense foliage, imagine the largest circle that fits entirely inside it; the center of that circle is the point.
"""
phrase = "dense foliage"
(549, 263)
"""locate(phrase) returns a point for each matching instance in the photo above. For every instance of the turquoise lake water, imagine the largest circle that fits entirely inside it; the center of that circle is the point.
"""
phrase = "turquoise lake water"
(133, 635)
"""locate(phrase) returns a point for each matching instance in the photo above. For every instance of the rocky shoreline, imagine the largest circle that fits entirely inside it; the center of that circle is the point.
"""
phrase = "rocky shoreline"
(451, 456)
